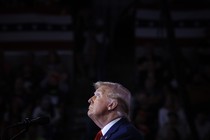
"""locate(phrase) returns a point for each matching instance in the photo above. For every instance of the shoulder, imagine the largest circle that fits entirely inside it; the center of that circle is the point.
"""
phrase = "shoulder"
(124, 130)
(129, 131)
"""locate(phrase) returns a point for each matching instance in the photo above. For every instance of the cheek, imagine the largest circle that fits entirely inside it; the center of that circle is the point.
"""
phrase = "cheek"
(100, 107)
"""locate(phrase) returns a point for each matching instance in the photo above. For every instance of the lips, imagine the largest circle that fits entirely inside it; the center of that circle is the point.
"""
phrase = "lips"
(90, 107)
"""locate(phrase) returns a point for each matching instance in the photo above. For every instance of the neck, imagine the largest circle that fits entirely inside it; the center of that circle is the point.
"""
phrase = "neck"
(106, 119)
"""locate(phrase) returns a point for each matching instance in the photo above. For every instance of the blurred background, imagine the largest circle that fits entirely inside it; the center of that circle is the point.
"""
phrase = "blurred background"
(52, 51)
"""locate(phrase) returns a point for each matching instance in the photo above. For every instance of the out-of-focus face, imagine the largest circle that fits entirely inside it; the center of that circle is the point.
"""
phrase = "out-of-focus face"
(98, 103)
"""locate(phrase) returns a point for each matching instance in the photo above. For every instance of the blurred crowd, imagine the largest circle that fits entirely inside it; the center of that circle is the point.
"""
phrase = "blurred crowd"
(164, 108)
(33, 89)
(163, 105)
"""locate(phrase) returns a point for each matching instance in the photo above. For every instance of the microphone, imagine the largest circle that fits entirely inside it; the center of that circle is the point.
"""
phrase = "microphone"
(36, 121)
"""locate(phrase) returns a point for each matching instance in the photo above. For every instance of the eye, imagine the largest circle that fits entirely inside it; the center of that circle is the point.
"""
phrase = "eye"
(97, 95)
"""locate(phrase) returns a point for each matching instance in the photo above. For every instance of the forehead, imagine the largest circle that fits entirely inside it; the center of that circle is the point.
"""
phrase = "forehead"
(102, 89)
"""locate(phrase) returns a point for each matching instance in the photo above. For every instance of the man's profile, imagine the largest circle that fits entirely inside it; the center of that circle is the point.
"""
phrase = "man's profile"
(109, 109)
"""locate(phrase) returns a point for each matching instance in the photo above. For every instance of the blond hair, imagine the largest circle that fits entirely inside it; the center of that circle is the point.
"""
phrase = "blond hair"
(121, 94)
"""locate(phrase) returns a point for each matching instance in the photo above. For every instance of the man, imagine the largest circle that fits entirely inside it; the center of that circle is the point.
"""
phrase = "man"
(110, 109)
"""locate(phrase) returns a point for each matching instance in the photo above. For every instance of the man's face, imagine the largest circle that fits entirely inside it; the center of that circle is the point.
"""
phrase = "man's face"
(98, 103)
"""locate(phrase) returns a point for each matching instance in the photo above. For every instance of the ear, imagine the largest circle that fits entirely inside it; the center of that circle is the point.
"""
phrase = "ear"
(112, 105)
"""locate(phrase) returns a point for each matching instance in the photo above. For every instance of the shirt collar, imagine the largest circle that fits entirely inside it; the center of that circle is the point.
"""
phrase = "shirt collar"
(109, 125)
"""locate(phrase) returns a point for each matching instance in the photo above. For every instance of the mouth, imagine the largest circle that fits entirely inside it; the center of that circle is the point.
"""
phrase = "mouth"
(90, 107)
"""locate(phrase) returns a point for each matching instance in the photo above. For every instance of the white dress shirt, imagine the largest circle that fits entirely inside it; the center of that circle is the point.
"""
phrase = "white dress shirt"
(109, 125)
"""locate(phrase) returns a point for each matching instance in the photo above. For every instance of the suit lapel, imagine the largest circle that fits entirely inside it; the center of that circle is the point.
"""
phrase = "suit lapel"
(114, 129)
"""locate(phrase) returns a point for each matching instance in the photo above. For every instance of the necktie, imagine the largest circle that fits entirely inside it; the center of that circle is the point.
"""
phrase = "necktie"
(98, 135)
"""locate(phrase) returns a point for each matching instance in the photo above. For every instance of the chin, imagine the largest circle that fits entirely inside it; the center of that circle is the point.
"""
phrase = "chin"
(89, 113)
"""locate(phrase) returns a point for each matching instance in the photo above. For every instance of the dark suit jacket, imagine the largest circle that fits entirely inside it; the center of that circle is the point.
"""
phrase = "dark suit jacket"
(123, 130)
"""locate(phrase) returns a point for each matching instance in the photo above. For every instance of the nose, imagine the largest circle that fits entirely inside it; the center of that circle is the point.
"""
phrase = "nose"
(91, 99)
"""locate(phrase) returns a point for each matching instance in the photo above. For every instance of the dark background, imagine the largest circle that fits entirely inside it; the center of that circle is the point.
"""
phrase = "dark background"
(52, 51)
